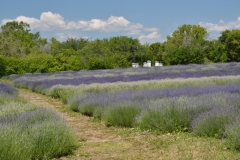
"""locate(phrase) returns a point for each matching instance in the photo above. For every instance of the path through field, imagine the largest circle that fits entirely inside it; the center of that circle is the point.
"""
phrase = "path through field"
(99, 142)
(96, 140)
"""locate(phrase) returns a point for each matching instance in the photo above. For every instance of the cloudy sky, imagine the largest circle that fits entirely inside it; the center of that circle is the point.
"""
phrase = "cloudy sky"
(148, 20)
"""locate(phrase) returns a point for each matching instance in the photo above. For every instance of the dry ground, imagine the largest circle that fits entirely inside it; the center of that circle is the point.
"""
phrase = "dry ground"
(98, 142)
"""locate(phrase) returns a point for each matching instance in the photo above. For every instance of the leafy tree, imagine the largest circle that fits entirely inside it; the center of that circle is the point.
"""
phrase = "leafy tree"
(184, 55)
(54, 46)
(216, 52)
(126, 46)
(188, 35)
(75, 44)
(68, 60)
(14, 65)
(144, 54)
(17, 40)
(186, 45)
(231, 40)
(2, 66)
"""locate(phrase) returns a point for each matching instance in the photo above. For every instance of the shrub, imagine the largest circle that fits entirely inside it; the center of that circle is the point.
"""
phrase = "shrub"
(38, 134)
(87, 109)
(7, 89)
(233, 136)
(169, 118)
(212, 123)
(121, 115)
(98, 113)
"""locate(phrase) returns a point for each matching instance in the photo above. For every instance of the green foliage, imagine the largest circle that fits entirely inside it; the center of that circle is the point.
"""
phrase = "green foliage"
(231, 40)
(2, 66)
(40, 63)
(14, 66)
(211, 124)
(186, 45)
(75, 44)
(98, 113)
(87, 110)
(97, 63)
(121, 115)
(233, 136)
(169, 119)
(216, 52)
(17, 40)
(188, 35)
(184, 55)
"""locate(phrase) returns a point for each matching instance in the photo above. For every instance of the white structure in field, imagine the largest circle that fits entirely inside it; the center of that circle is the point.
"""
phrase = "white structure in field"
(135, 65)
(147, 64)
(157, 64)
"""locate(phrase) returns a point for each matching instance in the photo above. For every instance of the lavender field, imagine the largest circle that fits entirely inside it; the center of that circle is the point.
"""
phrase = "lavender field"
(28, 131)
(42, 82)
(201, 99)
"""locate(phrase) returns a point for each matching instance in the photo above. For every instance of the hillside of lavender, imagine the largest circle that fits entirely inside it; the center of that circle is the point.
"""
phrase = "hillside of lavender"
(200, 99)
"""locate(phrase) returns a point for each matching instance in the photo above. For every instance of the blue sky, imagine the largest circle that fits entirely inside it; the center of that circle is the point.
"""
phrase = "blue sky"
(149, 21)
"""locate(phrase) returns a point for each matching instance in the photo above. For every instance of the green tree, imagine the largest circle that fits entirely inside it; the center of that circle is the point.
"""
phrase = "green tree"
(75, 44)
(17, 40)
(126, 46)
(231, 40)
(186, 45)
(184, 55)
(193, 36)
(2, 66)
(216, 52)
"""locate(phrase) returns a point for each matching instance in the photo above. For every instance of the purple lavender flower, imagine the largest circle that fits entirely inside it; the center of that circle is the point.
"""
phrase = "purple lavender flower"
(6, 89)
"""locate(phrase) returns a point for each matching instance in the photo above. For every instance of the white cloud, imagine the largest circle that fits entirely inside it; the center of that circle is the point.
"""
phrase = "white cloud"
(221, 25)
(152, 37)
(53, 21)
(63, 29)
(49, 19)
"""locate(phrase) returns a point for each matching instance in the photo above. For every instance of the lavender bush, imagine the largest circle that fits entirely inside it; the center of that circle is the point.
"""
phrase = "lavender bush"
(212, 123)
(232, 131)
(6, 89)
(31, 132)
(121, 115)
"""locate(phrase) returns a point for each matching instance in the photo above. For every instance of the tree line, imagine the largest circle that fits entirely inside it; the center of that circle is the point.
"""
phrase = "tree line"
(22, 51)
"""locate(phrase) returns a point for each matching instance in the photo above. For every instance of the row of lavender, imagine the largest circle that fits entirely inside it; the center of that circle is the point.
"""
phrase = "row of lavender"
(28, 131)
(211, 111)
(40, 82)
